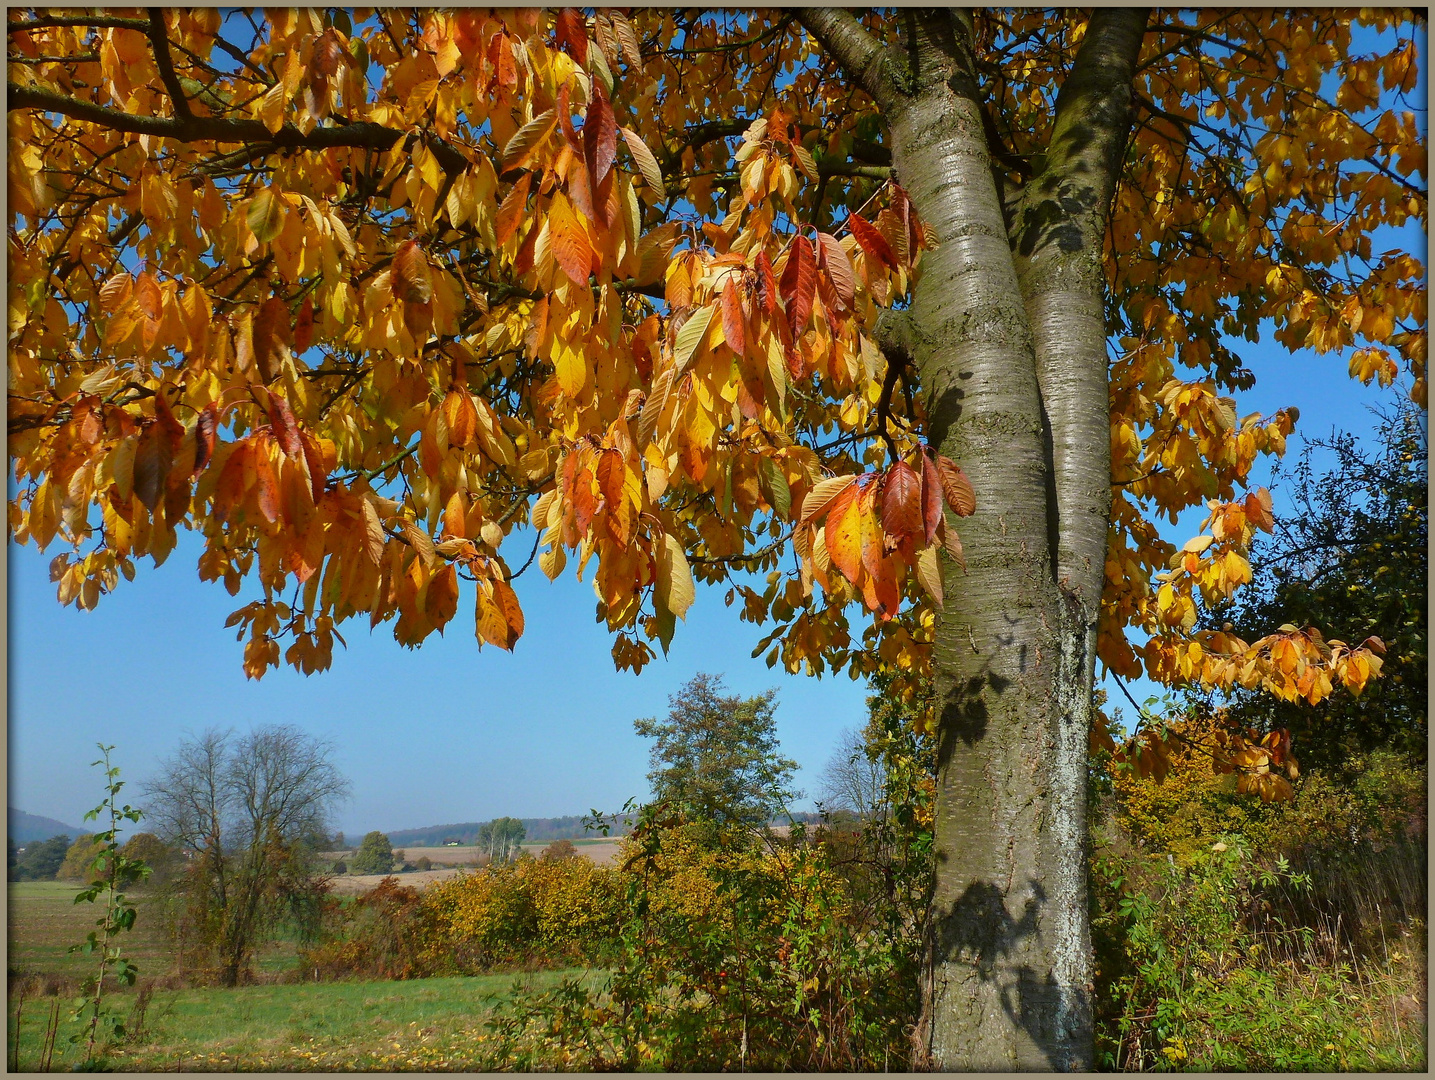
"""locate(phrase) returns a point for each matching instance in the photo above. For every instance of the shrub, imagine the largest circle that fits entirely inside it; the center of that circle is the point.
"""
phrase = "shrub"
(559, 849)
(423, 862)
(735, 953)
(382, 934)
(339, 867)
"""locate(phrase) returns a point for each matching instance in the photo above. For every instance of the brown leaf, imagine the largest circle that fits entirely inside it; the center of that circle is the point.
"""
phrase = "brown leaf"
(318, 474)
(206, 428)
(902, 502)
(304, 324)
(286, 428)
(271, 337)
(628, 39)
(153, 458)
(600, 137)
(571, 31)
(411, 279)
(767, 283)
(956, 487)
(872, 241)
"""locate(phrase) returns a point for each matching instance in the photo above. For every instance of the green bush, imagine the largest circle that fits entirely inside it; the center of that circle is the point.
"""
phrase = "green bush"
(375, 855)
(40, 860)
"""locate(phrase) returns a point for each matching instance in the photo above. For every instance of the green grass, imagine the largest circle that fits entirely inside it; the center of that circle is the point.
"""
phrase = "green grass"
(387, 1026)
(44, 921)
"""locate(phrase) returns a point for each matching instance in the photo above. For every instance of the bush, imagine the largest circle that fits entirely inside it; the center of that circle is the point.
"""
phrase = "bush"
(735, 953)
(423, 862)
(382, 934)
(339, 867)
(559, 849)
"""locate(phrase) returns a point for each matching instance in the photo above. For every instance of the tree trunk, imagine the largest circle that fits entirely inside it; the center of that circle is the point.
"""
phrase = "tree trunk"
(1006, 329)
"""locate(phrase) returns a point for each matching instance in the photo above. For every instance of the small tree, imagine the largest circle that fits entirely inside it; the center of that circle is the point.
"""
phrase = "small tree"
(110, 870)
(254, 811)
(375, 855)
(854, 778)
(163, 860)
(716, 756)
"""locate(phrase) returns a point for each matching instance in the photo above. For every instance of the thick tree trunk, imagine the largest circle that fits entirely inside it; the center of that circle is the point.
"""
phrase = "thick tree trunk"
(1007, 331)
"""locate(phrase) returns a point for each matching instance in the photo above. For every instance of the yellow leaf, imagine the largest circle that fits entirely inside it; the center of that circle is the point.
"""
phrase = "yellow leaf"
(675, 589)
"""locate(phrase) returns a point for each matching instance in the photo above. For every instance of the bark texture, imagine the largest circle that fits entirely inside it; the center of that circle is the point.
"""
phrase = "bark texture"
(1007, 331)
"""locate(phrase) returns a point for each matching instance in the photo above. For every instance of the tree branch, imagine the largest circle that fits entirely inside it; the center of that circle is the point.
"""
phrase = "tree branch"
(159, 40)
(861, 55)
(219, 129)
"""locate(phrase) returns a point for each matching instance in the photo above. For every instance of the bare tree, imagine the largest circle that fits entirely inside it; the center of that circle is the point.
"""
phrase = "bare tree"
(854, 778)
(252, 811)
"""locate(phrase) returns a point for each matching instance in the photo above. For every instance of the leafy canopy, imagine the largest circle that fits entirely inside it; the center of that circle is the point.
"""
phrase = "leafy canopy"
(375, 303)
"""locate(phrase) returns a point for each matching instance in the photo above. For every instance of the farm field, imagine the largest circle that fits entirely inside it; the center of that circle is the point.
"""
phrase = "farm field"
(384, 1026)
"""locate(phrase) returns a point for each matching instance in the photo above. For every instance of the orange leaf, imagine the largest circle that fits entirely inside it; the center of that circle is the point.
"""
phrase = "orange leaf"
(461, 416)
(956, 487)
(931, 498)
(205, 428)
(266, 487)
(844, 533)
(509, 608)
(838, 266)
(902, 502)
(571, 247)
(873, 242)
(732, 317)
(271, 335)
(512, 209)
(411, 280)
(152, 463)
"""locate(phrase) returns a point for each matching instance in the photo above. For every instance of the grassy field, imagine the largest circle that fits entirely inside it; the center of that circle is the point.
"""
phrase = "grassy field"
(384, 1026)
(44, 921)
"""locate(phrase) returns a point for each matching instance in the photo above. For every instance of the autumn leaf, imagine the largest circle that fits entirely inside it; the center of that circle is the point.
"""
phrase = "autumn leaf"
(519, 151)
(286, 428)
(647, 164)
(571, 247)
(206, 426)
(674, 589)
(838, 266)
(733, 317)
(956, 487)
(843, 532)
(153, 457)
(265, 215)
(820, 499)
(690, 337)
(902, 502)
(799, 282)
(872, 241)
(411, 280)
(571, 31)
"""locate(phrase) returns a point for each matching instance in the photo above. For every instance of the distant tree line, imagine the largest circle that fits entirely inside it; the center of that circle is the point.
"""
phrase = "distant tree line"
(536, 830)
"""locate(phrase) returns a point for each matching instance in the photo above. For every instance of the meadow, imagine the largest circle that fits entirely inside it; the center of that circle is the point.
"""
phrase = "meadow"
(431, 1024)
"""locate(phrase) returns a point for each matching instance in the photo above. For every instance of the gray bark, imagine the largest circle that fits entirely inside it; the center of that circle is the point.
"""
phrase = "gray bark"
(1007, 332)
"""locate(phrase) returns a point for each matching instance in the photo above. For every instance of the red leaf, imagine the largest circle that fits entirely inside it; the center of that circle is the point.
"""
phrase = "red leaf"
(286, 428)
(304, 324)
(902, 204)
(931, 498)
(839, 268)
(205, 429)
(873, 242)
(169, 427)
(799, 282)
(571, 30)
(411, 280)
(956, 487)
(767, 282)
(902, 502)
(511, 210)
(732, 319)
(600, 137)
(565, 120)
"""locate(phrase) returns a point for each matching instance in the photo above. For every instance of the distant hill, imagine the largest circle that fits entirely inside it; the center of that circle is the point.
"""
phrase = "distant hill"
(466, 832)
(25, 828)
